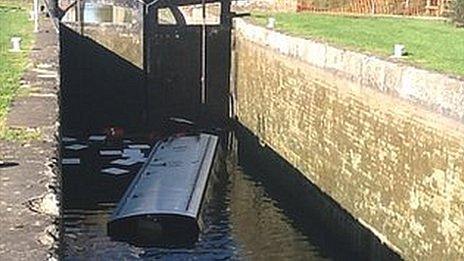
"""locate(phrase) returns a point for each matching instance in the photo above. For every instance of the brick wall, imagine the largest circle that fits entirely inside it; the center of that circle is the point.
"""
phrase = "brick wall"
(384, 140)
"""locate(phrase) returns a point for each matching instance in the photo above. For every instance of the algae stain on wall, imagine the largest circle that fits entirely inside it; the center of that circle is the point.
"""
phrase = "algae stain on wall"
(388, 162)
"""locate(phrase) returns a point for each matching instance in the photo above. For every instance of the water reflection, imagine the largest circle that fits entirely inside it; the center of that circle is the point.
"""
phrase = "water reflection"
(117, 28)
(262, 228)
(94, 13)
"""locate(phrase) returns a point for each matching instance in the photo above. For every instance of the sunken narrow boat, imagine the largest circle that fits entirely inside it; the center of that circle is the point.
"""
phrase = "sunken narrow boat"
(164, 201)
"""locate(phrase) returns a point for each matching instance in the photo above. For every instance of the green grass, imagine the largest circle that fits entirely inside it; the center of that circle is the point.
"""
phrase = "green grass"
(20, 134)
(13, 22)
(435, 45)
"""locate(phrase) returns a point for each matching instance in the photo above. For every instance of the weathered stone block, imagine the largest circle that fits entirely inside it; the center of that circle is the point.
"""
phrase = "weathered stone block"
(313, 52)
(393, 75)
(433, 90)
(414, 85)
(351, 66)
(274, 5)
(251, 32)
(334, 58)
(453, 94)
(373, 73)
(279, 42)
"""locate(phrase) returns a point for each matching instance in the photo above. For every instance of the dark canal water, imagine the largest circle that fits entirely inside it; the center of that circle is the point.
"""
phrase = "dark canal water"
(252, 215)
(256, 212)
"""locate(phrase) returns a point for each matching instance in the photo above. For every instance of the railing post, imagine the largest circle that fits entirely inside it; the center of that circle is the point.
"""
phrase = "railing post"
(80, 15)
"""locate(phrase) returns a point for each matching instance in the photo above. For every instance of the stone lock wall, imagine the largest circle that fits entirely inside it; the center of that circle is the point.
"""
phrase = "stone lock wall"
(384, 140)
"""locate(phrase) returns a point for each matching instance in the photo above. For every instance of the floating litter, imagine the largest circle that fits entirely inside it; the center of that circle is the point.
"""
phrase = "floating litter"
(97, 138)
(115, 171)
(71, 161)
(110, 152)
(68, 139)
(125, 162)
(104, 204)
(127, 141)
(181, 120)
(133, 153)
(139, 146)
(76, 147)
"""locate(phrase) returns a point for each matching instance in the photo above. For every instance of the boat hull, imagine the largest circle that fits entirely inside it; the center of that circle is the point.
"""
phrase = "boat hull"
(163, 204)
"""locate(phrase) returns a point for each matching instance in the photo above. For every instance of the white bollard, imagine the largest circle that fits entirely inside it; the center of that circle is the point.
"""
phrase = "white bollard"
(271, 23)
(399, 50)
(15, 44)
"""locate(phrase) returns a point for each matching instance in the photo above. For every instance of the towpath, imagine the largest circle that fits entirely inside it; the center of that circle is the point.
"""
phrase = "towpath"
(28, 175)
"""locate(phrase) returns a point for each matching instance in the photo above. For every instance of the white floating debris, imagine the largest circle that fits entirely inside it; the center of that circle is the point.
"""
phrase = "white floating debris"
(76, 147)
(133, 153)
(68, 139)
(110, 152)
(115, 171)
(125, 162)
(139, 146)
(127, 141)
(97, 138)
(181, 120)
(71, 161)
(107, 204)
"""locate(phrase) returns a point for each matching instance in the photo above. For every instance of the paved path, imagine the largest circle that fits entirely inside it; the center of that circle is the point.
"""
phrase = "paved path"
(28, 183)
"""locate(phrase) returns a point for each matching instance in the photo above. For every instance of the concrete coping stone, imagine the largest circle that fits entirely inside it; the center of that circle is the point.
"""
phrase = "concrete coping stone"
(441, 93)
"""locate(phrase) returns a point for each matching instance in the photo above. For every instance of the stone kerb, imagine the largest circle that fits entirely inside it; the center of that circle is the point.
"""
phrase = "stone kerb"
(439, 92)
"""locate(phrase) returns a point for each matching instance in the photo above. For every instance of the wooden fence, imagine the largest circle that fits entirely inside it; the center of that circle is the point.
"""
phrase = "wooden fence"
(388, 7)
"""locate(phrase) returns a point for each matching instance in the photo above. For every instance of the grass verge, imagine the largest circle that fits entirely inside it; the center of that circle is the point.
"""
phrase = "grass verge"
(21, 134)
(13, 22)
(434, 45)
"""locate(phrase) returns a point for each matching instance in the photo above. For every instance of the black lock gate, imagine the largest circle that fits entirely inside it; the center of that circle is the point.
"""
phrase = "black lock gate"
(100, 89)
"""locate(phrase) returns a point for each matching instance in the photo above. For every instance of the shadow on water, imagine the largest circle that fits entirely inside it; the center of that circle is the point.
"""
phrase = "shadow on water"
(321, 220)
(98, 87)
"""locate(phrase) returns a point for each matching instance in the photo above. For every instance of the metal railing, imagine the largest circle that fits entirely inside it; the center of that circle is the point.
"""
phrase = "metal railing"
(388, 7)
